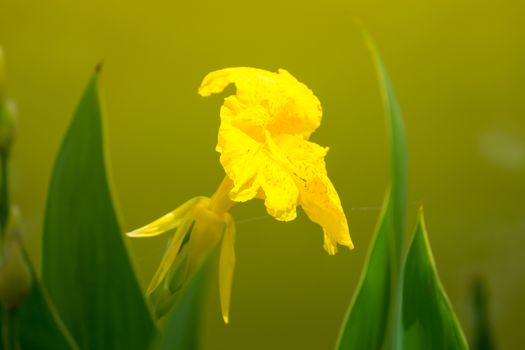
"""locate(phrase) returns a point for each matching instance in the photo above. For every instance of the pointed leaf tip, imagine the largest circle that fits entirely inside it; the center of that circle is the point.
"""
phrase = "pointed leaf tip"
(98, 68)
(428, 320)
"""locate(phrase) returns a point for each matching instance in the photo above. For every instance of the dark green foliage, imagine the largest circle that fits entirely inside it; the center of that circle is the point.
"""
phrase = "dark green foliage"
(85, 263)
(367, 320)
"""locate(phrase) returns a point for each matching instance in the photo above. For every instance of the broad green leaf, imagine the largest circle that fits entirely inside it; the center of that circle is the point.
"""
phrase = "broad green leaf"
(428, 319)
(371, 317)
(85, 262)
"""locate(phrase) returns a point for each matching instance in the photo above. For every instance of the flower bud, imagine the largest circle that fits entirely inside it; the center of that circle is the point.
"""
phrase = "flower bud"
(15, 275)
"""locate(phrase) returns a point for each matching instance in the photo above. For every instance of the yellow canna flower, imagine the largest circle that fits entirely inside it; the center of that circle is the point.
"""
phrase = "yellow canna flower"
(265, 152)
(263, 141)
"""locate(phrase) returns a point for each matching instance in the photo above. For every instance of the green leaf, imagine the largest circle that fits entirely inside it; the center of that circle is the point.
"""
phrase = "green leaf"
(371, 317)
(85, 262)
(428, 319)
(365, 326)
(398, 153)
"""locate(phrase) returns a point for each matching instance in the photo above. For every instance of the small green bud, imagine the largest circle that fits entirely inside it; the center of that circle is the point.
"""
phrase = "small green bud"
(8, 118)
(15, 276)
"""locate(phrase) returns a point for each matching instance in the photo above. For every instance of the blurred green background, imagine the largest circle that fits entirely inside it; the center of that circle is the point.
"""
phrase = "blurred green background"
(458, 69)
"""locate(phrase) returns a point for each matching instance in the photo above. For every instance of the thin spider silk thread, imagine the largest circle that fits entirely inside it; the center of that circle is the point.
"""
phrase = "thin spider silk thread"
(374, 208)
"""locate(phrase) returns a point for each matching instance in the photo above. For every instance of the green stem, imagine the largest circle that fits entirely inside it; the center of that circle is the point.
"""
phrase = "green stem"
(4, 193)
(9, 330)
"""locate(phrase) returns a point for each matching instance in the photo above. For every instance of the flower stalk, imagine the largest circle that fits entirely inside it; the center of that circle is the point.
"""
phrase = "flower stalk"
(220, 202)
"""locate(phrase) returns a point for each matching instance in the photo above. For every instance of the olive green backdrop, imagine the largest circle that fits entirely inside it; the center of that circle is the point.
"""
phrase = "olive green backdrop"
(458, 68)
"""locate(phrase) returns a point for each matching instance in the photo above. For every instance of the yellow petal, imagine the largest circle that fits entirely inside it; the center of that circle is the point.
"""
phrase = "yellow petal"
(304, 158)
(245, 78)
(321, 203)
(278, 184)
(216, 81)
(253, 166)
(206, 234)
(250, 118)
(240, 157)
(226, 267)
(295, 109)
(167, 222)
(318, 196)
(264, 100)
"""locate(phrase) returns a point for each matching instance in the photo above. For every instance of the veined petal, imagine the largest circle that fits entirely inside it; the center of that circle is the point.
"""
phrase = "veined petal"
(165, 223)
(226, 267)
